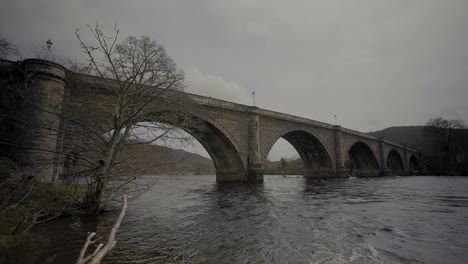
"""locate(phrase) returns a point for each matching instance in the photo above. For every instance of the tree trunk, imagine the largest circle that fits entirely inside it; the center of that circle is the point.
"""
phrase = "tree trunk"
(101, 193)
(100, 196)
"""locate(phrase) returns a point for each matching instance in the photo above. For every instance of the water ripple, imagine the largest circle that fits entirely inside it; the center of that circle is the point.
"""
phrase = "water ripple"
(190, 219)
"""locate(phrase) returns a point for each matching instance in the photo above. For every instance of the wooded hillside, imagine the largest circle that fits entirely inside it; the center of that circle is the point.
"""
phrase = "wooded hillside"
(155, 159)
(443, 157)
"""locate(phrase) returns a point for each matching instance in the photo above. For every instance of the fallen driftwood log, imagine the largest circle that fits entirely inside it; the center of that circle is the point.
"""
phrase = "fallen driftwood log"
(102, 249)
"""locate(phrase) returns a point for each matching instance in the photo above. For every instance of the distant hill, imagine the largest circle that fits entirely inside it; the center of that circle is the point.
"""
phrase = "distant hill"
(442, 157)
(155, 159)
(412, 136)
(142, 159)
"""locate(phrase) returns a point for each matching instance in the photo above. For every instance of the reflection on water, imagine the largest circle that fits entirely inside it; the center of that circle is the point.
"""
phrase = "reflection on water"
(191, 219)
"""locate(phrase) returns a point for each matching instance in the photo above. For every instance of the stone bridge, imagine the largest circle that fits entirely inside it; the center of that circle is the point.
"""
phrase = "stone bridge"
(239, 137)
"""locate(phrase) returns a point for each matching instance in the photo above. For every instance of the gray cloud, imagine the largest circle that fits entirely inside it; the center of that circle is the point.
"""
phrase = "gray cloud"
(215, 87)
(397, 62)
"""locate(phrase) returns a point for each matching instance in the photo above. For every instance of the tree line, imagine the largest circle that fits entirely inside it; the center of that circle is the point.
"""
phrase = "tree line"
(447, 154)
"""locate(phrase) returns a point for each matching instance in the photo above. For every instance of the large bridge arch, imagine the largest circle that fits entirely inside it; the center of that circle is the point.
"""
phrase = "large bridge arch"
(363, 160)
(220, 144)
(313, 152)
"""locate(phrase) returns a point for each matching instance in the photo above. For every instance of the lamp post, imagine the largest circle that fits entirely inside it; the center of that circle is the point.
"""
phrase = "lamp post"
(253, 97)
(49, 44)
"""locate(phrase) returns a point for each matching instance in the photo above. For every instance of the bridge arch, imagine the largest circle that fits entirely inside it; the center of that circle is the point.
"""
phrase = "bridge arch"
(395, 162)
(311, 149)
(363, 160)
(413, 163)
(214, 137)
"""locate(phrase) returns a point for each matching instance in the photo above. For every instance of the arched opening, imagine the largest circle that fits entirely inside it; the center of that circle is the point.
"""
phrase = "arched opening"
(314, 158)
(283, 159)
(362, 161)
(158, 144)
(162, 149)
(221, 149)
(394, 161)
(413, 163)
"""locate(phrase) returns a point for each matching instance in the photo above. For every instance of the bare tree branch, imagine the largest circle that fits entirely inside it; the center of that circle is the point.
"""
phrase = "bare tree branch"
(7, 49)
(102, 249)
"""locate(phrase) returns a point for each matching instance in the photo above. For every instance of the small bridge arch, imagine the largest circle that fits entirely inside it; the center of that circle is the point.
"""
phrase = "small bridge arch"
(395, 161)
(363, 160)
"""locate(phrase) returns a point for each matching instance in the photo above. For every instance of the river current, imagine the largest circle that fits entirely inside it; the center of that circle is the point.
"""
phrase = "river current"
(191, 219)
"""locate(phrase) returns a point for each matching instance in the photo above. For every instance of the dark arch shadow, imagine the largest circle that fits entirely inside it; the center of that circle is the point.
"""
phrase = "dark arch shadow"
(315, 157)
(395, 162)
(413, 163)
(225, 156)
(363, 161)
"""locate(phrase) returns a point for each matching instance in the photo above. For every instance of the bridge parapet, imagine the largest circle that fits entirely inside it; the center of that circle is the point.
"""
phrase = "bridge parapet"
(294, 119)
(358, 134)
(218, 103)
(400, 146)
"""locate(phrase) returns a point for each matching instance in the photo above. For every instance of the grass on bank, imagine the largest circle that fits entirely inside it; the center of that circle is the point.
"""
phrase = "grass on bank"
(25, 203)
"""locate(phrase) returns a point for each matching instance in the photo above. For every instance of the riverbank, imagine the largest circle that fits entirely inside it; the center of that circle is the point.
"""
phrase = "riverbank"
(25, 204)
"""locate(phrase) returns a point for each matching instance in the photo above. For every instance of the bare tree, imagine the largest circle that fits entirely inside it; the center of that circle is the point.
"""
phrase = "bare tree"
(283, 165)
(442, 127)
(140, 82)
(140, 78)
(44, 53)
(25, 203)
(7, 49)
(443, 132)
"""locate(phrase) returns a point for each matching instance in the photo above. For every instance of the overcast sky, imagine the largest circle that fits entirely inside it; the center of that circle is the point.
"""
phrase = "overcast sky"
(372, 63)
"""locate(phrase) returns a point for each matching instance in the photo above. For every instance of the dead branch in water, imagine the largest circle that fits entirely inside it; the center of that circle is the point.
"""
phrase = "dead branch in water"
(102, 249)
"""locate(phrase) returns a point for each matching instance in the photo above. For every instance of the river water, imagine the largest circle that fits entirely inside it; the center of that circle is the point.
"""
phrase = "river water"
(191, 219)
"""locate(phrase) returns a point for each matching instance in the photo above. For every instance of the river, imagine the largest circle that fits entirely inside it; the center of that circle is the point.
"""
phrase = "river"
(191, 219)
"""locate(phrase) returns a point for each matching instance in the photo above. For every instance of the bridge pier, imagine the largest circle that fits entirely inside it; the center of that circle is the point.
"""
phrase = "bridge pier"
(383, 161)
(254, 164)
(321, 173)
(406, 168)
(229, 175)
(340, 170)
(367, 173)
(254, 174)
(41, 134)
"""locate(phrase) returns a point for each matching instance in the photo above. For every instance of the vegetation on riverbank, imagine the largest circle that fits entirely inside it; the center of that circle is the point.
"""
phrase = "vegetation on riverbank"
(26, 203)
(285, 166)
(155, 159)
